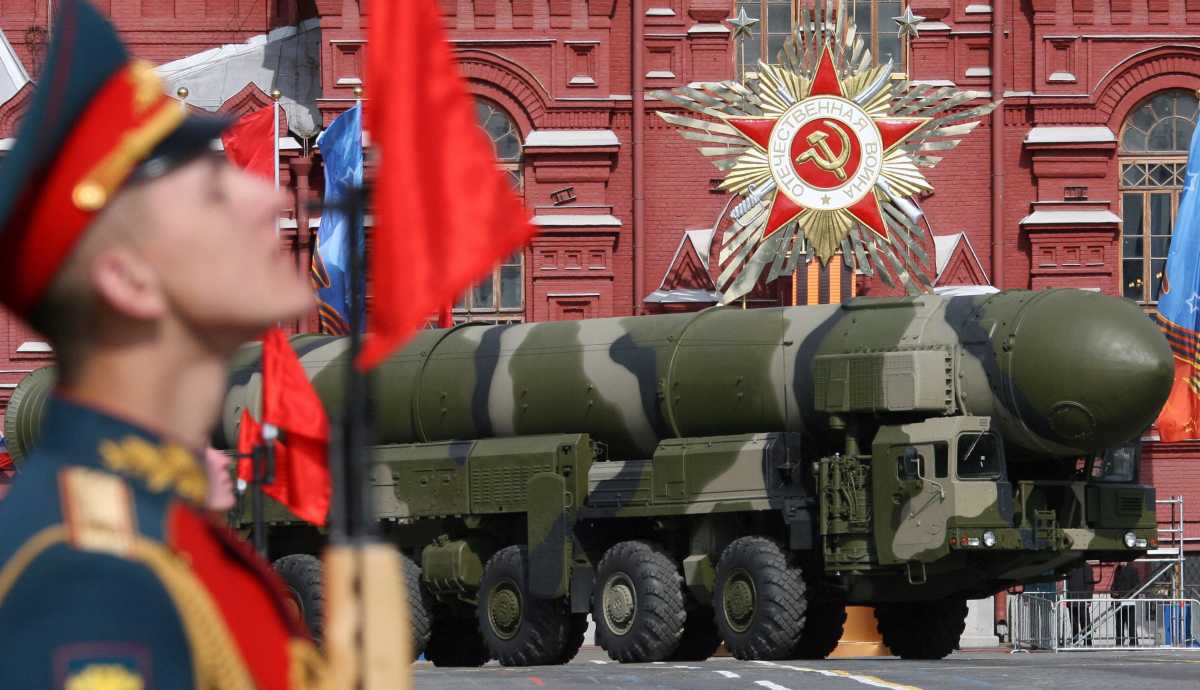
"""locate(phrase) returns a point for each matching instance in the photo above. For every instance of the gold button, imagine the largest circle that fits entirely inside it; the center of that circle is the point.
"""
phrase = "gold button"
(89, 196)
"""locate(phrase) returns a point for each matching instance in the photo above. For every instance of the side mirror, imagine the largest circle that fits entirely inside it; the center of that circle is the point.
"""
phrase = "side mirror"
(910, 464)
(908, 470)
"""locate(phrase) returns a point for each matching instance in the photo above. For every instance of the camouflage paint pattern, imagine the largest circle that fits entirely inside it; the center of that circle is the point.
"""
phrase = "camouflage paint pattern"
(1059, 372)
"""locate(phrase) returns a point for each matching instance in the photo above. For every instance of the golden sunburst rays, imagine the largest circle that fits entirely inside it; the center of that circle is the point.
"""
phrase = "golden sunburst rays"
(823, 150)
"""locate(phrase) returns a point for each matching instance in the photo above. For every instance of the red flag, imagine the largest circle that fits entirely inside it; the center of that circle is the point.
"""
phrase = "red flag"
(250, 142)
(301, 453)
(446, 317)
(249, 437)
(7, 470)
(444, 213)
(1177, 420)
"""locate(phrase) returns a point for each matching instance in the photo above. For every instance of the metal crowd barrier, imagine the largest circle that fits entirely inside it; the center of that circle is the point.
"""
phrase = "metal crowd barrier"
(1132, 623)
(1031, 621)
(1046, 622)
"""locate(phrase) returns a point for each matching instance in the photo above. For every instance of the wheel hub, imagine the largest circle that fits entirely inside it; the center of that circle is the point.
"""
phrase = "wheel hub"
(619, 604)
(504, 610)
(739, 601)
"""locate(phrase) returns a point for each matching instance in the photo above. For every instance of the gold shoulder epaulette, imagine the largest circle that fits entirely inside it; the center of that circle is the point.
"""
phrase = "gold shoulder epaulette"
(167, 467)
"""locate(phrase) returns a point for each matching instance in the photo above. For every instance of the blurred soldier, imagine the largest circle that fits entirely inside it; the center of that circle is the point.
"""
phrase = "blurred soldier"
(220, 499)
(1081, 585)
(145, 261)
(1125, 583)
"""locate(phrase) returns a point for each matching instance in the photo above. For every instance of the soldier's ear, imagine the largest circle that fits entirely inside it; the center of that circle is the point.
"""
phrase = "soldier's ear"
(127, 284)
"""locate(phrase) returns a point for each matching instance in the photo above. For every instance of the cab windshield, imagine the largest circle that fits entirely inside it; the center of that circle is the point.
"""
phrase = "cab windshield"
(979, 457)
(1118, 465)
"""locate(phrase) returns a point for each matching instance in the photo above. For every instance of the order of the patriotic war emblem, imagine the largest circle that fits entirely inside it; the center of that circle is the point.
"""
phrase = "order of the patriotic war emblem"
(823, 151)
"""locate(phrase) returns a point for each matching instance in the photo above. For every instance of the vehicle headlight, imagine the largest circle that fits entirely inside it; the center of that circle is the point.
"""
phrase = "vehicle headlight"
(989, 539)
(1130, 540)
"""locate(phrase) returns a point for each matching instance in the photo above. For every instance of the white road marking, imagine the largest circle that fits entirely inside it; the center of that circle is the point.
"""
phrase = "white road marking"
(864, 680)
(690, 668)
(727, 674)
(597, 661)
(771, 686)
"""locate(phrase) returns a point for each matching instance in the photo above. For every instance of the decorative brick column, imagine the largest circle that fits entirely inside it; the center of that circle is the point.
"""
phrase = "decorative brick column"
(1073, 232)
(571, 274)
(1073, 244)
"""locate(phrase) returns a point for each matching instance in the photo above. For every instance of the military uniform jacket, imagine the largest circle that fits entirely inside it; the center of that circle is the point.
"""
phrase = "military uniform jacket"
(113, 577)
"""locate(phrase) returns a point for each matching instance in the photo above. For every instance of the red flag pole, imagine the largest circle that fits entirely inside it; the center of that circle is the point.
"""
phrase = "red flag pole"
(446, 317)
(275, 96)
(263, 460)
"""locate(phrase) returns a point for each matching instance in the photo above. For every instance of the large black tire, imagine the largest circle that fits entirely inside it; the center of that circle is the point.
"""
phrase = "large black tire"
(420, 606)
(759, 600)
(700, 635)
(303, 578)
(579, 626)
(454, 640)
(922, 630)
(824, 622)
(518, 628)
(638, 603)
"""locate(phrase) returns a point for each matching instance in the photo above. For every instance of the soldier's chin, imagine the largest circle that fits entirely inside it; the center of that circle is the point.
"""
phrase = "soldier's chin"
(289, 297)
(284, 307)
(252, 317)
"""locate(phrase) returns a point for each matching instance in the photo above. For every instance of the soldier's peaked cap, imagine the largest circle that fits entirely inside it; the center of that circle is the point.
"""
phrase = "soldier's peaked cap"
(98, 118)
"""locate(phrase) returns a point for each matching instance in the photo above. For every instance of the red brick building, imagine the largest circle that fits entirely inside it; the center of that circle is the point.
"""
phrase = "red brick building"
(1072, 182)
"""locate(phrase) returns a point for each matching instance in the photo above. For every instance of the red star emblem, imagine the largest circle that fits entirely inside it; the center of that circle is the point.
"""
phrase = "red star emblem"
(826, 152)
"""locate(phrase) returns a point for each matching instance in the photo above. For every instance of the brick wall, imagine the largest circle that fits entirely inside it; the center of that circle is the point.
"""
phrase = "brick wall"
(537, 48)
(1174, 469)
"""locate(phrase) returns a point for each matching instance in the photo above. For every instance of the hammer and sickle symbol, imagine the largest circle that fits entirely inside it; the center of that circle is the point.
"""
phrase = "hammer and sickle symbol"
(821, 154)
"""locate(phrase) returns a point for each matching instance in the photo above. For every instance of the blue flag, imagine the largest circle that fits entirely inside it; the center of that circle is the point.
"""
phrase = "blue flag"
(342, 152)
(1179, 309)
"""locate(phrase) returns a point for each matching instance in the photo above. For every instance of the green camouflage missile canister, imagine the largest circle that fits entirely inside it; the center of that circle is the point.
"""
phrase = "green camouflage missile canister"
(1060, 372)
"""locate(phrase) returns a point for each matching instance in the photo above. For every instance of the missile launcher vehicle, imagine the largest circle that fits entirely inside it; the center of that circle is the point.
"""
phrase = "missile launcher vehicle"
(740, 476)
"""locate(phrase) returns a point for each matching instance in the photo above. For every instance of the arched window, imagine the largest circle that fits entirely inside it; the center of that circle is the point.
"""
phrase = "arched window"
(1154, 147)
(499, 298)
(506, 139)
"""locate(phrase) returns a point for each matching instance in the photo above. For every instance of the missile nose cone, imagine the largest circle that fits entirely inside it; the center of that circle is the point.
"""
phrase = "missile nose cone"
(1088, 371)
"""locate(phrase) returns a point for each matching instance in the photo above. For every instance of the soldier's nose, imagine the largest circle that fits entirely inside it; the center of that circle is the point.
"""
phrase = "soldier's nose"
(1091, 371)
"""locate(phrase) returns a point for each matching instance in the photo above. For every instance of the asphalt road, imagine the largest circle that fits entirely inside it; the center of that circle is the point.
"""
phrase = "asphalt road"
(962, 671)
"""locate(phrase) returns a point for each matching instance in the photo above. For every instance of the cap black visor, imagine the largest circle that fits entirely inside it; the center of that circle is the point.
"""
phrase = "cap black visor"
(193, 138)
